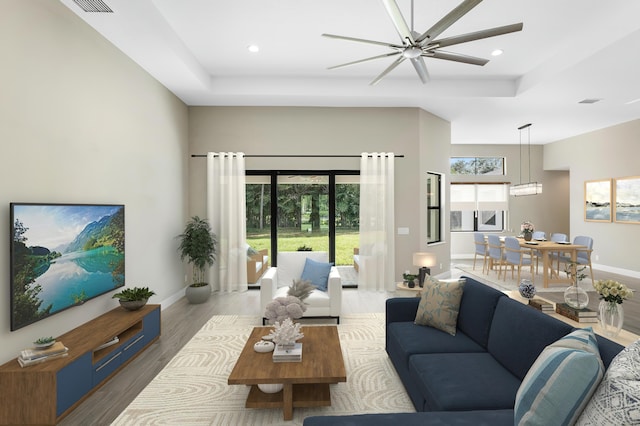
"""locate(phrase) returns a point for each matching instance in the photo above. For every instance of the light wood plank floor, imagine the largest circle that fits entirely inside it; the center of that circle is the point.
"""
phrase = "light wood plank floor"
(180, 322)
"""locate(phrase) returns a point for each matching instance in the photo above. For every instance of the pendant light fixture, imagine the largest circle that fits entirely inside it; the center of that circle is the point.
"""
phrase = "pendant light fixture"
(529, 188)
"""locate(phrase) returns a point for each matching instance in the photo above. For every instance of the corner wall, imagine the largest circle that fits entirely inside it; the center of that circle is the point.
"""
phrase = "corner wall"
(82, 123)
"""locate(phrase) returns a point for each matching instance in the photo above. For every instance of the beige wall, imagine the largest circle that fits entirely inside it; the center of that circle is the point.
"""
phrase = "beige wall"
(81, 123)
(422, 138)
(604, 154)
(548, 211)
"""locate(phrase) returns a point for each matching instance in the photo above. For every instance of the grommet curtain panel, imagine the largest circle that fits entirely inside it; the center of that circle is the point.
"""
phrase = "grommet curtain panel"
(377, 243)
(226, 214)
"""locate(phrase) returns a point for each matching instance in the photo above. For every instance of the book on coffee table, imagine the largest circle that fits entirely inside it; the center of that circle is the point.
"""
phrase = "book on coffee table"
(288, 354)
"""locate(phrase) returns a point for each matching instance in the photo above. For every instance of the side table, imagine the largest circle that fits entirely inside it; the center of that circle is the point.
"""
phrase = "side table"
(415, 291)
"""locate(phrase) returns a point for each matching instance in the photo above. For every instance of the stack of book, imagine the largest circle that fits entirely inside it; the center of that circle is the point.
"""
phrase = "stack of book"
(578, 315)
(541, 305)
(288, 353)
(36, 355)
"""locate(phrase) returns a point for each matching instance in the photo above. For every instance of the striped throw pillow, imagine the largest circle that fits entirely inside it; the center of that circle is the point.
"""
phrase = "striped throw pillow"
(560, 382)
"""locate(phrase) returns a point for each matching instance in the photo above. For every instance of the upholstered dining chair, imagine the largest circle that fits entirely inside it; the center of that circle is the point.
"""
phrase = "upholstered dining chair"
(517, 256)
(583, 256)
(482, 249)
(538, 236)
(496, 254)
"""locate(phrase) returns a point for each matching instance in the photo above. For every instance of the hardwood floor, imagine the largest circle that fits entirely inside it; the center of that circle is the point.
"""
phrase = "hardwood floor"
(180, 322)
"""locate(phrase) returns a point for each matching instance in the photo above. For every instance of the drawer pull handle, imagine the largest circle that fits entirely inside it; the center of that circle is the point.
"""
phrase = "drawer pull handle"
(134, 342)
(107, 363)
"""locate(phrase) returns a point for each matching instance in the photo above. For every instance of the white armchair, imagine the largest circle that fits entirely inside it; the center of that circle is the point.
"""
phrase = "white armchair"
(320, 304)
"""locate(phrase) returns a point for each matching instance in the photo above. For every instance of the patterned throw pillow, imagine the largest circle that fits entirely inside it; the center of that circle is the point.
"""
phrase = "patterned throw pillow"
(440, 303)
(617, 399)
(561, 381)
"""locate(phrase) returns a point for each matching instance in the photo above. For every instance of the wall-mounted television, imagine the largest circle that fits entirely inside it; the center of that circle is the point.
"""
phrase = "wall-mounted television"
(63, 255)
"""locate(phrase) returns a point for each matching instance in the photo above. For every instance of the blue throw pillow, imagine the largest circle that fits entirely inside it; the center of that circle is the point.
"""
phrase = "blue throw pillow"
(317, 273)
(560, 382)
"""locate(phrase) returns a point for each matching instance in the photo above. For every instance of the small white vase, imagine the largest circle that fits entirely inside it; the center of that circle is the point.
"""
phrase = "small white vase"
(611, 318)
(270, 387)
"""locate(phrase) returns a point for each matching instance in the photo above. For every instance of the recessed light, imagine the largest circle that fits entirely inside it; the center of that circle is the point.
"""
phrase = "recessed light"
(253, 48)
(590, 101)
(497, 52)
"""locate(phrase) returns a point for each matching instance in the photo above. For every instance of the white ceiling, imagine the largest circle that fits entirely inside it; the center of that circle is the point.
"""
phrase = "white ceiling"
(568, 51)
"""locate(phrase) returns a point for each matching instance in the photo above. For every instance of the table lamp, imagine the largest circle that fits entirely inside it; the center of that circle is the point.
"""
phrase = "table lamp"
(424, 261)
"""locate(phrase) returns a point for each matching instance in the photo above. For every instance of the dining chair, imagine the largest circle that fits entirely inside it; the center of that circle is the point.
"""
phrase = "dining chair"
(482, 249)
(538, 236)
(496, 254)
(517, 256)
(583, 256)
(556, 237)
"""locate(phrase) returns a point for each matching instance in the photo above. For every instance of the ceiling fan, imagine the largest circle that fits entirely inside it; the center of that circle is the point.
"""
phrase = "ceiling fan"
(415, 46)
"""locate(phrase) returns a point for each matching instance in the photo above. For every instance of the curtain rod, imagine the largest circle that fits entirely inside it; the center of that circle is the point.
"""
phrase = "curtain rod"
(297, 156)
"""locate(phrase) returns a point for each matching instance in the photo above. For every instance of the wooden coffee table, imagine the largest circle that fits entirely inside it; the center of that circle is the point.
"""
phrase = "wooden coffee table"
(306, 383)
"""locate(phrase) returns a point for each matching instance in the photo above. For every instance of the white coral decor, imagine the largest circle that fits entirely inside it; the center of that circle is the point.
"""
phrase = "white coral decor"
(286, 333)
(281, 308)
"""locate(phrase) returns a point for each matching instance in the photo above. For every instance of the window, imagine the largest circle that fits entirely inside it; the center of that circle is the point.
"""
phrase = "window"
(434, 211)
(477, 165)
(478, 207)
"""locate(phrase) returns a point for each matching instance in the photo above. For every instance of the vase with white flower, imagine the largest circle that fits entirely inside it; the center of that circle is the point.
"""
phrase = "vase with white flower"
(526, 230)
(610, 311)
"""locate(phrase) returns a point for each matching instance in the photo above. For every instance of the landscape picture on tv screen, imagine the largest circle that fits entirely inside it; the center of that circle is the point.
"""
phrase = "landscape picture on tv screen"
(63, 255)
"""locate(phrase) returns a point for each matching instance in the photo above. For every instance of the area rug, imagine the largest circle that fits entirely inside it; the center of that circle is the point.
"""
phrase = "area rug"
(192, 388)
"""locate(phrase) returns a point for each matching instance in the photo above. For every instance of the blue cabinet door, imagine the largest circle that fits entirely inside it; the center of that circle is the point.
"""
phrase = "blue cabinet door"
(73, 382)
(151, 325)
(106, 366)
(132, 346)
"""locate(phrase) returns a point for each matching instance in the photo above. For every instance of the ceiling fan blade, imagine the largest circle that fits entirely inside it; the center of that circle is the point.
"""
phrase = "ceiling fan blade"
(451, 17)
(456, 57)
(398, 20)
(361, 40)
(386, 55)
(388, 70)
(421, 69)
(477, 35)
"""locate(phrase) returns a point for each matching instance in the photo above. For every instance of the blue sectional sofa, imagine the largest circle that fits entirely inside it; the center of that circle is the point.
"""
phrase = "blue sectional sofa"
(471, 378)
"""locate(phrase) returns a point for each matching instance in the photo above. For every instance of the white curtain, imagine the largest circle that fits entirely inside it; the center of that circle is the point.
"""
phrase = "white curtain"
(226, 214)
(377, 243)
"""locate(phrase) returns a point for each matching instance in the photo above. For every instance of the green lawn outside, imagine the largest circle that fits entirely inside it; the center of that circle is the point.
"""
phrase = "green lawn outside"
(291, 240)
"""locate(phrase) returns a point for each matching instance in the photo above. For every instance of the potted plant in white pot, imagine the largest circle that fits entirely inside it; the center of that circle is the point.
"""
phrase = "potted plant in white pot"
(198, 247)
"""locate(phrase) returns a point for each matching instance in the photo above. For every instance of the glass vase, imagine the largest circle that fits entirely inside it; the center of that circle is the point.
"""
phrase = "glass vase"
(611, 318)
(576, 297)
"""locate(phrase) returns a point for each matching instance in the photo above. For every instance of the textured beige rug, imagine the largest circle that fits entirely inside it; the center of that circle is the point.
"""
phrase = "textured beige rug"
(192, 389)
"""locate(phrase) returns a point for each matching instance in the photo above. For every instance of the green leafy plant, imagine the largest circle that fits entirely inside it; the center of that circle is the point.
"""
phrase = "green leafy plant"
(44, 340)
(304, 248)
(135, 293)
(198, 247)
(575, 272)
(409, 277)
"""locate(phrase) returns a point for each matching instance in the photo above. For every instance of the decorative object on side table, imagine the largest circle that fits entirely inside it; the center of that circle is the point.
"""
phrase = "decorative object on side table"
(575, 296)
(133, 298)
(610, 311)
(424, 261)
(526, 230)
(198, 247)
(527, 289)
(409, 279)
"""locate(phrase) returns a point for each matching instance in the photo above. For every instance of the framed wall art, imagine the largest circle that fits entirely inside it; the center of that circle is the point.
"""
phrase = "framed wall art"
(597, 200)
(627, 196)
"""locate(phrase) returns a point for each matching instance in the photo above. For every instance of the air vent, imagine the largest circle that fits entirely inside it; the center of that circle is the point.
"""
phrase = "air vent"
(93, 6)
(589, 101)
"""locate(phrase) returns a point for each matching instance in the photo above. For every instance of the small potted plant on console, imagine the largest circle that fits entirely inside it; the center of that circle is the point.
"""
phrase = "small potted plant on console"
(134, 298)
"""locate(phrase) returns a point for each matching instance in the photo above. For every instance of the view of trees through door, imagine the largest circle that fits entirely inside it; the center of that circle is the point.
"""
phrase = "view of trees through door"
(304, 207)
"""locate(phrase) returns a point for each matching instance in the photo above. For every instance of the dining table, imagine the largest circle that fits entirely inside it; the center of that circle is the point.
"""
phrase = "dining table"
(545, 248)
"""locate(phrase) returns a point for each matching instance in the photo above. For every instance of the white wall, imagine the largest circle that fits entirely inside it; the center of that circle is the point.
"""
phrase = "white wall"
(421, 137)
(81, 123)
(607, 153)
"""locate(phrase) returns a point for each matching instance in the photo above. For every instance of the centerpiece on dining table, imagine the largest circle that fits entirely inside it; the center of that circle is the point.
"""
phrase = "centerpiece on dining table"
(526, 230)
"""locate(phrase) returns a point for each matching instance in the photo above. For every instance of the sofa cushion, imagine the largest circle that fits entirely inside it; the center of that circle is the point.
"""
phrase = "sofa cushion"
(616, 401)
(463, 381)
(291, 264)
(561, 381)
(477, 306)
(444, 418)
(520, 333)
(406, 338)
(440, 304)
(317, 273)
